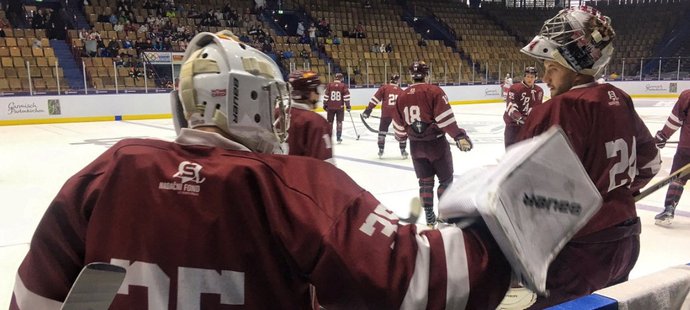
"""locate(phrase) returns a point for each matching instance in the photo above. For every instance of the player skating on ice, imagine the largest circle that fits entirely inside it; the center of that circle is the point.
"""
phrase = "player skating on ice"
(677, 120)
(522, 97)
(386, 96)
(424, 115)
(336, 97)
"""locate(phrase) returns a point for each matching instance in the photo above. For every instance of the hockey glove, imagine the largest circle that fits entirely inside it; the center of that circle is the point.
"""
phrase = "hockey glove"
(463, 142)
(660, 139)
(367, 113)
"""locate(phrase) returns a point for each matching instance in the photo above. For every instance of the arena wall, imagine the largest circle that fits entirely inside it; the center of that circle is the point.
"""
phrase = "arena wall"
(108, 107)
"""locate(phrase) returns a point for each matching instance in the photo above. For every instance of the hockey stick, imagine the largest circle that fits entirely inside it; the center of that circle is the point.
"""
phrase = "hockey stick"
(415, 210)
(95, 287)
(680, 173)
(353, 124)
(672, 142)
(372, 129)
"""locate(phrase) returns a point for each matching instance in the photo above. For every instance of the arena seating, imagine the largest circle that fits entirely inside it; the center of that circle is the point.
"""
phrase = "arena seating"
(16, 51)
(382, 24)
(489, 37)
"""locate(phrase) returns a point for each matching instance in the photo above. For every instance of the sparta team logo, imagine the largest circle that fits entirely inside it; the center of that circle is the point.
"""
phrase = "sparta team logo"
(188, 173)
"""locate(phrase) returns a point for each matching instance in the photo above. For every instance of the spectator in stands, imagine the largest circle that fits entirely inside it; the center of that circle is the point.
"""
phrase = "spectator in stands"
(2, 33)
(336, 40)
(305, 56)
(113, 47)
(374, 48)
(287, 54)
(422, 42)
(118, 61)
(127, 44)
(329, 40)
(37, 43)
(359, 31)
(382, 48)
(367, 4)
(113, 19)
(389, 47)
(300, 29)
(312, 34)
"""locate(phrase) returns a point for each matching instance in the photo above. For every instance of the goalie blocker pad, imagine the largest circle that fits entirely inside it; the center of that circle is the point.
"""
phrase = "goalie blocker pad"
(536, 198)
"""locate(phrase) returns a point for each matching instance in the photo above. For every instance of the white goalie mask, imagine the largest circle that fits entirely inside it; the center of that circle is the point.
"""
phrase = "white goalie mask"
(579, 38)
(230, 85)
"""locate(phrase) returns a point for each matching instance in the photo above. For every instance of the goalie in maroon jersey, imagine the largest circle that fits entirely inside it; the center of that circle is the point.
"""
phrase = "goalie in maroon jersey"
(309, 133)
(216, 220)
(424, 115)
(677, 120)
(335, 98)
(522, 97)
(386, 96)
(611, 140)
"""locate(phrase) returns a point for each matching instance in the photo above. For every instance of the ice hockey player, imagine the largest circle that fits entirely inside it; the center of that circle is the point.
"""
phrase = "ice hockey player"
(677, 120)
(522, 97)
(309, 133)
(216, 219)
(611, 140)
(424, 115)
(386, 96)
(335, 98)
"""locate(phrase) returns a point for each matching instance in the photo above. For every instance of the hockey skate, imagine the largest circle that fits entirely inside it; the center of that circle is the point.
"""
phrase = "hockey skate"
(665, 218)
(340, 140)
(380, 153)
(404, 154)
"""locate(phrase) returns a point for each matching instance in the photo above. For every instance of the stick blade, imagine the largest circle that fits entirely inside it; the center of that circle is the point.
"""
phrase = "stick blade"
(95, 287)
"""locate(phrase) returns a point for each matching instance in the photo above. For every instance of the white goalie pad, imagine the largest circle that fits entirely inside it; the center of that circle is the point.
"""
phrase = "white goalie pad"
(536, 198)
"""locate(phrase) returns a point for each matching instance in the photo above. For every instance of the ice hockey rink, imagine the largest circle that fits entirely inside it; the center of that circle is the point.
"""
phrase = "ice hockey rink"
(35, 160)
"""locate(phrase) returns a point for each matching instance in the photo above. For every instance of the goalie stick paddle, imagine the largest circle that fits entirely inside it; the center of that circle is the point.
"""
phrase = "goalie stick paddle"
(680, 173)
(372, 129)
(415, 211)
(95, 287)
(353, 124)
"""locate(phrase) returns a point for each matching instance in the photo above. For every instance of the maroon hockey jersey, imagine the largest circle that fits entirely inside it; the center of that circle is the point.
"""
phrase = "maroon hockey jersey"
(202, 223)
(679, 120)
(335, 96)
(309, 133)
(426, 104)
(610, 139)
(386, 96)
(520, 101)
